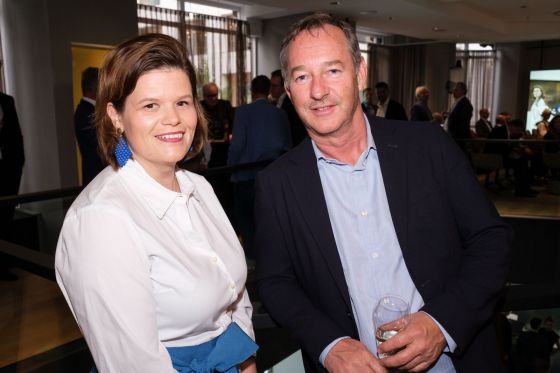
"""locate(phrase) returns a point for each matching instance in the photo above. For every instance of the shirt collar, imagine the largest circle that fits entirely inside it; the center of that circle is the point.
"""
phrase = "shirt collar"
(158, 198)
(87, 99)
(370, 146)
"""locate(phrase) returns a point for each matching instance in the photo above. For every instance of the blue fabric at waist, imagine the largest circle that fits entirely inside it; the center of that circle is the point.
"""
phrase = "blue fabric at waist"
(222, 354)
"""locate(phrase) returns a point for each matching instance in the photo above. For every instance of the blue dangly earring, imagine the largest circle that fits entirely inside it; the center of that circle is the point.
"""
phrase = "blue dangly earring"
(122, 151)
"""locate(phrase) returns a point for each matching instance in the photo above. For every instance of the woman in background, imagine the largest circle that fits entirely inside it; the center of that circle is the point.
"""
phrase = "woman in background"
(534, 113)
(147, 259)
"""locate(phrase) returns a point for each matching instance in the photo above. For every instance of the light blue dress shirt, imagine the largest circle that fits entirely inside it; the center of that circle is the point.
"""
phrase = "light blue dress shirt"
(367, 242)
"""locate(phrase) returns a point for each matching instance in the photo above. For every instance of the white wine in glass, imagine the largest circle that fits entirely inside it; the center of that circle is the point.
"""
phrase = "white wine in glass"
(389, 318)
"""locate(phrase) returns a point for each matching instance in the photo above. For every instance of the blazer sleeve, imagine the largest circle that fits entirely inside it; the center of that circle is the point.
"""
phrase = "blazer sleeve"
(278, 285)
(467, 299)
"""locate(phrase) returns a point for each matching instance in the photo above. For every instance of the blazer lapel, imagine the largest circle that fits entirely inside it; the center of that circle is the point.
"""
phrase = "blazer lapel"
(306, 182)
(392, 150)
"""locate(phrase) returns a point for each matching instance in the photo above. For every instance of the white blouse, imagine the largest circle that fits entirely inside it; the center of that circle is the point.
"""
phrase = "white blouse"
(143, 268)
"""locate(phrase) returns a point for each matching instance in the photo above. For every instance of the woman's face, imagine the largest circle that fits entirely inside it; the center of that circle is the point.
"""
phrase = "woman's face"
(537, 92)
(159, 119)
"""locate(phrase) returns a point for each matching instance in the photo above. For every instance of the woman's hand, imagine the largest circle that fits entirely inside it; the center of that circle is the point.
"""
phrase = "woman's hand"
(248, 366)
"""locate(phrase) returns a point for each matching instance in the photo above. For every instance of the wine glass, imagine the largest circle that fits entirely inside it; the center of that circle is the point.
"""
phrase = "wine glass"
(389, 317)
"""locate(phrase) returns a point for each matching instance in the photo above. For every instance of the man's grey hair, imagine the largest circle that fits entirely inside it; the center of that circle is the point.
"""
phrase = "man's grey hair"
(313, 22)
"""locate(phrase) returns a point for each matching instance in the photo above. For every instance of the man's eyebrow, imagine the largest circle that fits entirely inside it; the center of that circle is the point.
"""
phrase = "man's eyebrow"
(326, 63)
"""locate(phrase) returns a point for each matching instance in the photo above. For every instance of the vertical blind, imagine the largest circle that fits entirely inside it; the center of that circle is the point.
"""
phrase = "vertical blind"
(219, 47)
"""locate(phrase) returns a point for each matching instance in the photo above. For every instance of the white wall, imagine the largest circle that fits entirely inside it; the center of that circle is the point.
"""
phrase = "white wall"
(37, 37)
(273, 31)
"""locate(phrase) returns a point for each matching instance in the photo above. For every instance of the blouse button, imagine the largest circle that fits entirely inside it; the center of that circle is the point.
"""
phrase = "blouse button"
(215, 259)
(232, 286)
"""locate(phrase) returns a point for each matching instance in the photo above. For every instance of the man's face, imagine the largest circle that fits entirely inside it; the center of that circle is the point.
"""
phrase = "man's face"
(323, 84)
(458, 91)
(211, 95)
(382, 94)
(276, 87)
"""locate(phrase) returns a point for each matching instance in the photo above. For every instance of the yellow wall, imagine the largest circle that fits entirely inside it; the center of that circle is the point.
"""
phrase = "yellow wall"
(82, 58)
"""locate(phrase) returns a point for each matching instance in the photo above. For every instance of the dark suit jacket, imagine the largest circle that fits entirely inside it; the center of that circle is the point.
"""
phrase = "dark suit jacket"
(87, 141)
(455, 245)
(261, 132)
(395, 111)
(420, 113)
(458, 123)
(11, 146)
(296, 125)
(483, 128)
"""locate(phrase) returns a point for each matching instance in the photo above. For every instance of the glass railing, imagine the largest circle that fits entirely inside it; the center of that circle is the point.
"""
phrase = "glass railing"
(39, 333)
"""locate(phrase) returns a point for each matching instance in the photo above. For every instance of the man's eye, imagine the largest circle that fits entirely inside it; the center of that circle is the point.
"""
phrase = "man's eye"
(334, 71)
(300, 78)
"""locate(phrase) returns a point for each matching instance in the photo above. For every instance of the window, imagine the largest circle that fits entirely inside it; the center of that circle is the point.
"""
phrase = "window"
(479, 63)
(218, 44)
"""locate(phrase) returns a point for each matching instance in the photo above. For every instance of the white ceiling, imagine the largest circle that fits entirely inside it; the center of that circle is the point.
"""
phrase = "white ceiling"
(461, 20)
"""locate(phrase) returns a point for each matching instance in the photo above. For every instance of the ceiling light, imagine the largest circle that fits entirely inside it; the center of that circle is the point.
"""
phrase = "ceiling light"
(368, 12)
(334, 3)
(438, 29)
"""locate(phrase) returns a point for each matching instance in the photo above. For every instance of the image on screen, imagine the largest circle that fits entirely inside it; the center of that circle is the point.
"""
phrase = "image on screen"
(544, 92)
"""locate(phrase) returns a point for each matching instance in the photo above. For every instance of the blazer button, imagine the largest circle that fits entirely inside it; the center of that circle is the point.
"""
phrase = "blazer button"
(349, 314)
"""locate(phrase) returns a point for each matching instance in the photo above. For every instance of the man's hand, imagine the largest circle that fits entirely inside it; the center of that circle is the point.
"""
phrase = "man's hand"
(421, 342)
(350, 356)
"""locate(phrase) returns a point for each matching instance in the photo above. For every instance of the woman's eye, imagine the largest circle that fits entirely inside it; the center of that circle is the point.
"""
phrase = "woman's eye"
(183, 103)
(150, 106)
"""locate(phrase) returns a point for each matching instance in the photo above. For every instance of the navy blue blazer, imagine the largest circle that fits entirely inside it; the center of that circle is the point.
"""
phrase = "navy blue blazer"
(87, 141)
(455, 245)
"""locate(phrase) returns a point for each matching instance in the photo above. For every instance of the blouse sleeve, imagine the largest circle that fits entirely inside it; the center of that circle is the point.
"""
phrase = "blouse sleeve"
(105, 277)
(242, 313)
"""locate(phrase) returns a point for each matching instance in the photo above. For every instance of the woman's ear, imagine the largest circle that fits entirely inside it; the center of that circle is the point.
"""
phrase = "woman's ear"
(114, 115)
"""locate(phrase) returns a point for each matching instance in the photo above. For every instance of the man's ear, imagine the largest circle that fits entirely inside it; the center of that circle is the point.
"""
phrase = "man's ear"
(362, 74)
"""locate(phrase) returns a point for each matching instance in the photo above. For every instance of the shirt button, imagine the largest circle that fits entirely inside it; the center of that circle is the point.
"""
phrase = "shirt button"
(215, 259)
(364, 213)
(232, 286)
(375, 255)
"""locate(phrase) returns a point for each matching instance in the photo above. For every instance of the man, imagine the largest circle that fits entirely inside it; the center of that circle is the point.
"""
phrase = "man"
(542, 126)
(219, 113)
(368, 106)
(282, 101)
(386, 107)
(367, 207)
(12, 159)
(483, 126)
(459, 119)
(84, 126)
(420, 111)
(261, 132)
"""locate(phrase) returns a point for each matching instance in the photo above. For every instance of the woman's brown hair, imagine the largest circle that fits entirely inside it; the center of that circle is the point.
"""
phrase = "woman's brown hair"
(121, 70)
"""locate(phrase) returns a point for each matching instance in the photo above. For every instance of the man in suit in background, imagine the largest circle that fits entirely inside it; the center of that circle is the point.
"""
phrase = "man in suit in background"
(12, 158)
(483, 126)
(261, 132)
(420, 111)
(219, 113)
(459, 118)
(367, 207)
(282, 101)
(84, 126)
(387, 107)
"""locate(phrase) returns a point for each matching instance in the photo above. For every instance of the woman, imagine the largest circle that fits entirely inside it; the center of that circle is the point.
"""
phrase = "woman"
(147, 259)
(534, 113)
